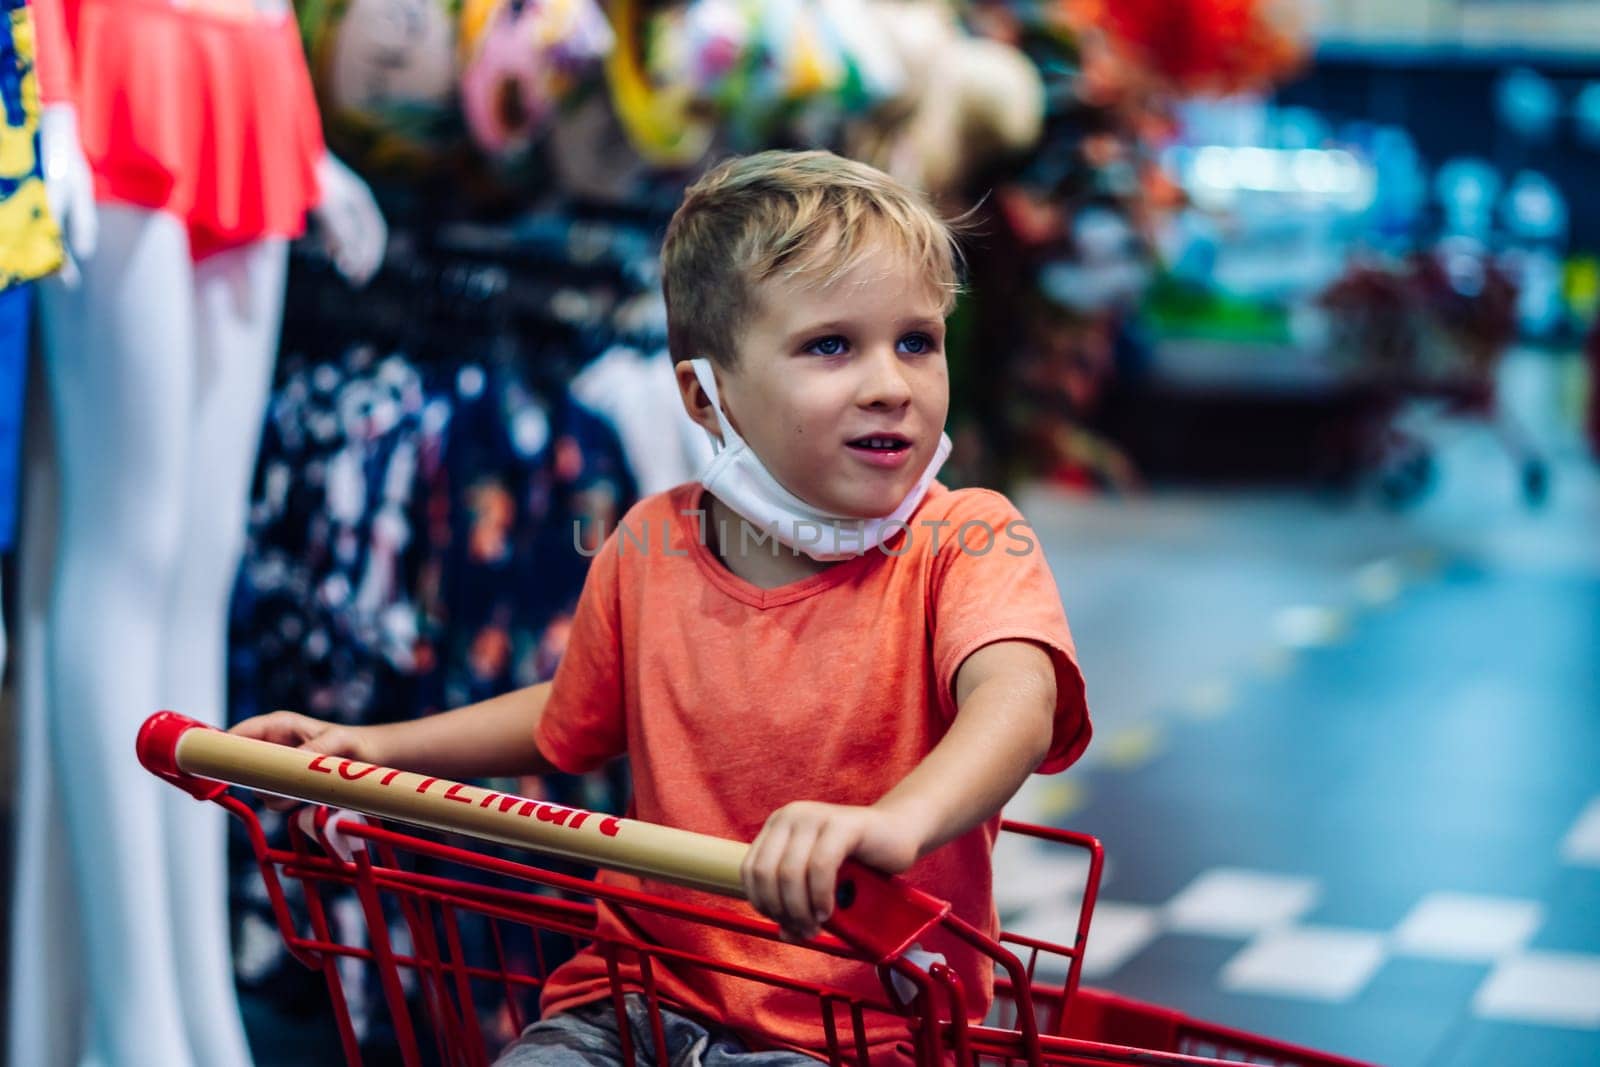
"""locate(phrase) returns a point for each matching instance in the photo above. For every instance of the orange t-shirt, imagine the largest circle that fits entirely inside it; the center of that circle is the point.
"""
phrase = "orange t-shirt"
(732, 700)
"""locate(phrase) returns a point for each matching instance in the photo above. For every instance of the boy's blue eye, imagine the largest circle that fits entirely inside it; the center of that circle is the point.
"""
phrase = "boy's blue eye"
(917, 344)
(827, 346)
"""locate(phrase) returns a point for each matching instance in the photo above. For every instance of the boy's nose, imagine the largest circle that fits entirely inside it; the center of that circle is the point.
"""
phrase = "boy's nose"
(885, 384)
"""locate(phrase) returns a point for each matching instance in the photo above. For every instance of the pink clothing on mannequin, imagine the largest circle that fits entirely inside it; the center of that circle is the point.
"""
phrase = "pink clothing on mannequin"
(203, 111)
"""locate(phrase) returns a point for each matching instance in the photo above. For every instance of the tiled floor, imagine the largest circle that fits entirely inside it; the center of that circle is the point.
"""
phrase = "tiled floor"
(1364, 810)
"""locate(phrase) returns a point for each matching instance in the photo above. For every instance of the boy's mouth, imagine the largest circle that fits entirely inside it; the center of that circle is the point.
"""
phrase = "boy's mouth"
(885, 451)
(881, 443)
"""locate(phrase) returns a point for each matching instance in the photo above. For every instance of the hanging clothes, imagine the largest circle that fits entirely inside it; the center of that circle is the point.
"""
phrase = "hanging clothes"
(522, 475)
(222, 130)
(30, 242)
(638, 393)
(324, 618)
(426, 481)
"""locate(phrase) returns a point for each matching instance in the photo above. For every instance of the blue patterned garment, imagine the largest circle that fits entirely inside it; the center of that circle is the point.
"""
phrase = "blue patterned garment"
(323, 616)
(412, 546)
(411, 549)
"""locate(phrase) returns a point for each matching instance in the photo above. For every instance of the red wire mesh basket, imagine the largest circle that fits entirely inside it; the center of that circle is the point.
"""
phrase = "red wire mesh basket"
(425, 900)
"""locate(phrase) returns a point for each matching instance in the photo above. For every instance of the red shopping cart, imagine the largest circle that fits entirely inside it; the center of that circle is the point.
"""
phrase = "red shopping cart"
(449, 1006)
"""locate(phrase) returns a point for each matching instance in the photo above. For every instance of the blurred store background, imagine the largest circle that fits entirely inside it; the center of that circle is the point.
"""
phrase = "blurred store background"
(1281, 324)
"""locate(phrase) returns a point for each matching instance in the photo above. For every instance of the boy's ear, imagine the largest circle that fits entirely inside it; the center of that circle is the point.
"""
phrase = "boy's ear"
(695, 399)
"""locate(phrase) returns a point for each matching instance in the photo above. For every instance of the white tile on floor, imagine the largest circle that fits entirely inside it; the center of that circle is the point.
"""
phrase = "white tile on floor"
(1117, 933)
(1320, 963)
(1581, 846)
(1028, 875)
(1552, 988)
(1457, 926)
(1057, 924)
(1229, 902)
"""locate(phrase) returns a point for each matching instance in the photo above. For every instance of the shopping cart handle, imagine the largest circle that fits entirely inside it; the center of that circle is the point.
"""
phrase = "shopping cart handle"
(881, 915)
(874, 913)
(157, 746)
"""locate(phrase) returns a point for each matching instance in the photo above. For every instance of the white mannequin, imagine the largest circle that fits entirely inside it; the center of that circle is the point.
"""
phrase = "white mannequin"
(158, 371)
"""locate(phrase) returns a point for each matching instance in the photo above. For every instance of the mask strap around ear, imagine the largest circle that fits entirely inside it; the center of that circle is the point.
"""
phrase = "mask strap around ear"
(708, 381)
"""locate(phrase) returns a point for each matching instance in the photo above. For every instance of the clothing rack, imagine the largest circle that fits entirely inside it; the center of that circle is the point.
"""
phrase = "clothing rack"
(547, 292)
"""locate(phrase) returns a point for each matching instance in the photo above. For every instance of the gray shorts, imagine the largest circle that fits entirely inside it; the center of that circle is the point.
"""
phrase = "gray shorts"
(587, 1037)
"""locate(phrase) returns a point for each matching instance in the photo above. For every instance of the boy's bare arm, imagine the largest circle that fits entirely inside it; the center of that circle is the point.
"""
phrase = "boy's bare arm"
(1006, 703)
(1006, 699)
(488, 739)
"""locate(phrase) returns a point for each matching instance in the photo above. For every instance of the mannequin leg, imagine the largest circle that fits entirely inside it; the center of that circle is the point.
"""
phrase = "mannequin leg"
(238, 307)
(121, 368)
(45, 1009)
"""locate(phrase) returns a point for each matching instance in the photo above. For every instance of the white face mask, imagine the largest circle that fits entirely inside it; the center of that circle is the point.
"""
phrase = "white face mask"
(740, 480)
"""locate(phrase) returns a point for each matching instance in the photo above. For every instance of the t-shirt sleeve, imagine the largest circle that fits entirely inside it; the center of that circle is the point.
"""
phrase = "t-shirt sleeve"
(583, 725)
(991, 583)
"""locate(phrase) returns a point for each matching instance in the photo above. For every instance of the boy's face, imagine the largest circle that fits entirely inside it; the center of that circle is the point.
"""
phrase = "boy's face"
(841, 389)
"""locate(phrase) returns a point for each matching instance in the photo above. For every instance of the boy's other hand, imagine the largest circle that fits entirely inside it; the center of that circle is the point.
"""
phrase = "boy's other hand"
(792, 866)
(302, 731)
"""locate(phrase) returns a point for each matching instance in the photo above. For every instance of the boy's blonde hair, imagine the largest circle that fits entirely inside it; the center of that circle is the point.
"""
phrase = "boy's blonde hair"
(810, 213)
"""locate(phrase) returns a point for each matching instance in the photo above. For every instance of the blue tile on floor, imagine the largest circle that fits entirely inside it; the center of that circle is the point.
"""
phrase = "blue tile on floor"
(1410, 1007)
(1397, 1020)
(1181, 973)
(1435, 988)
(1572, 913)
(1481, 1043)
(1175, 970)
(1386, 1036)
(1365, 900)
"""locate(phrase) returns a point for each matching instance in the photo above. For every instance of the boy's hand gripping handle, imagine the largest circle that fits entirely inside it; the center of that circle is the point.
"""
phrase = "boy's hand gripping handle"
(873, 912)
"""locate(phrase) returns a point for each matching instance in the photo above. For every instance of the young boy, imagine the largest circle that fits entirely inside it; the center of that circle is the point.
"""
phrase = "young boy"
(818, 648)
